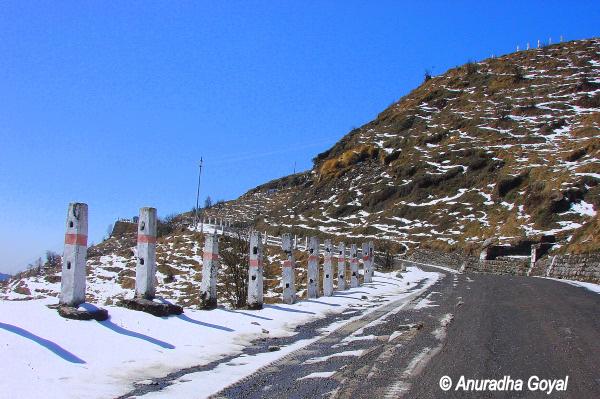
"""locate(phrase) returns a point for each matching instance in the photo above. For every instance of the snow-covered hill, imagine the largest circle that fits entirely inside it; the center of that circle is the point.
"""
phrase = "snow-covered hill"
(507, 148)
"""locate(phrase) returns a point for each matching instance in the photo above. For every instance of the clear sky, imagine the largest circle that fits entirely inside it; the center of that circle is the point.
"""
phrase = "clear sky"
(113, 103)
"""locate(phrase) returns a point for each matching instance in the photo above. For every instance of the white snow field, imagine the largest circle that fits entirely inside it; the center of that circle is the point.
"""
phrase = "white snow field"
(44, 355)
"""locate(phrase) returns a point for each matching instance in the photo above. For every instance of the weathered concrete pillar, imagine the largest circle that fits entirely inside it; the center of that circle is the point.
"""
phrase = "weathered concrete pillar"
(210, 265)
(255, 272)
(353, 267)
(145, 269)
(312, 276)
(371, 260)
(484, 254)
(535, 253)
(328, 270)
(366, 263)
(288, 279)
(72, 285)
(341, 260)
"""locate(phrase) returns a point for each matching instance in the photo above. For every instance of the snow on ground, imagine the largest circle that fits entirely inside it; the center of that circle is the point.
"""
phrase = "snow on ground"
(339, 354)
(45, 355)
(321, 374)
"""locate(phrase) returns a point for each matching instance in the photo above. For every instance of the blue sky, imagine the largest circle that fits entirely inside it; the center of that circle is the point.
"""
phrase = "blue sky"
(113, 103)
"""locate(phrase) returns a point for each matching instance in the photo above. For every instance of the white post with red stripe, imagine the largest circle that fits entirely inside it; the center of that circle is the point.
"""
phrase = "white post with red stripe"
(288, 280)
(313, 268)
(341, 261)
(328, 270)
(210, 266)
(145, 269)
(72, 285)
(353, 267)
(255, 272)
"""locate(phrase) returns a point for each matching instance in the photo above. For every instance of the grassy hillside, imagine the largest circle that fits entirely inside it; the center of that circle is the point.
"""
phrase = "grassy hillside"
(505, 148)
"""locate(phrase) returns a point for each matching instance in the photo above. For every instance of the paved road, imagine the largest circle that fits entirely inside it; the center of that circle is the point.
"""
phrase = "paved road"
(480, 326)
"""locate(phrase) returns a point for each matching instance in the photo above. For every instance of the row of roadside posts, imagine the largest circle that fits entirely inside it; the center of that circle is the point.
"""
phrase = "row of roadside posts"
(73, 281)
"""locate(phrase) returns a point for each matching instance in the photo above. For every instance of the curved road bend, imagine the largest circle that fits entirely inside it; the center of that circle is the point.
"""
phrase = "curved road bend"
(477, 325)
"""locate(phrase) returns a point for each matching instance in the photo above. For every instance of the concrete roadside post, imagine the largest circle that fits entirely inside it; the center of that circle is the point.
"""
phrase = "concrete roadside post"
(366, 263)
(371, 260)
(341, 267)
(73, 272)
(145, 269)
(353, 266)
(288, 279)
(72, 286)
(328, 270)
(210, 266)
(313, 268)
(255, 272)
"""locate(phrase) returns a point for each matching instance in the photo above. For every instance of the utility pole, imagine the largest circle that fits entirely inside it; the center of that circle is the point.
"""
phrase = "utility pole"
(294, 167)
(198, 195)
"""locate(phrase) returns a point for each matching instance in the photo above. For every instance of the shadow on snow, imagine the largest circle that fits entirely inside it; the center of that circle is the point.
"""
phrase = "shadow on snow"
(51, 346)
(201, 323)
(287, 309)
(118, 329)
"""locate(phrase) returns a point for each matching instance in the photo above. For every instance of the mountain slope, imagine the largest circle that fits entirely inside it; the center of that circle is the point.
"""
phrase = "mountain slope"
(506, 148)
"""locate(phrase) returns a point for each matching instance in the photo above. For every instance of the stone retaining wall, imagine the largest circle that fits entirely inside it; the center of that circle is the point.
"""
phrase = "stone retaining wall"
(573, 267)
(453, 260)
(512, 267)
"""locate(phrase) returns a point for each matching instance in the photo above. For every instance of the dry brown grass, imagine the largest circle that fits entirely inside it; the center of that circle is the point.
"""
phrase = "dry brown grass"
(347, 159)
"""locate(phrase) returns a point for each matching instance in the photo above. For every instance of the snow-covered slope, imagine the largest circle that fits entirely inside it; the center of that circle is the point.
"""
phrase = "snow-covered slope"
(47, 356)
(505, 148)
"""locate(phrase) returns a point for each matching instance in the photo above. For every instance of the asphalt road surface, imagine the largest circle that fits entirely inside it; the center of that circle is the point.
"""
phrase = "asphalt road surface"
(474, 325)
